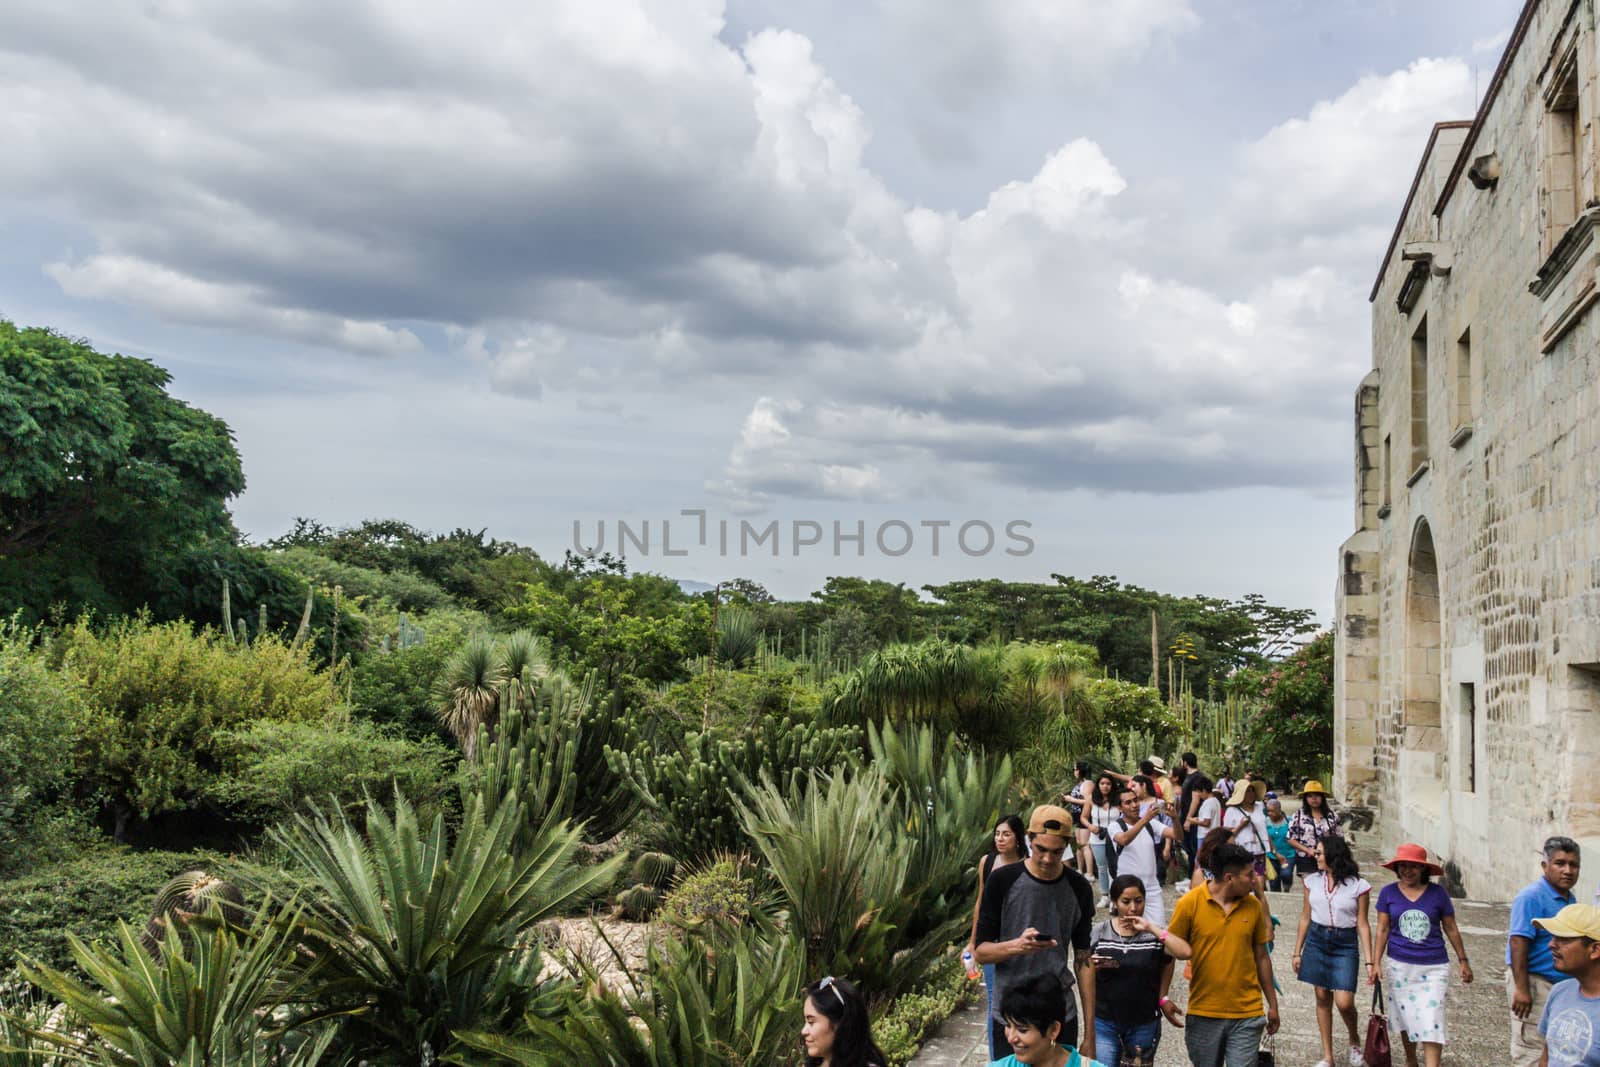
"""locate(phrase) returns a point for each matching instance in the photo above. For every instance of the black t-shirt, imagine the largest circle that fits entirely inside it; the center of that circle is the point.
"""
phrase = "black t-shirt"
(1063, 909)
(1127, 994)
(1185, 798)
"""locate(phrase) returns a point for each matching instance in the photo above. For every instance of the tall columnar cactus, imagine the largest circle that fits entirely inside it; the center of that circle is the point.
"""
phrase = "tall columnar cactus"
(185, 897)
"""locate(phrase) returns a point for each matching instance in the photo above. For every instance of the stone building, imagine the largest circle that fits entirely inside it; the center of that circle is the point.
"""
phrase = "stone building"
(1468, 604)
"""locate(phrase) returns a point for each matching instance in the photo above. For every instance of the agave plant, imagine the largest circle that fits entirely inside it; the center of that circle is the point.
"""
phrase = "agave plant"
(207, 999)
(417, 935)
(727, 1001)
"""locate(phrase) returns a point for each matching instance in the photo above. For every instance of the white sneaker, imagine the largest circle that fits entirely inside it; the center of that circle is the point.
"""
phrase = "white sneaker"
(1103, 902)
(1356, 1058)
(1324, 1063)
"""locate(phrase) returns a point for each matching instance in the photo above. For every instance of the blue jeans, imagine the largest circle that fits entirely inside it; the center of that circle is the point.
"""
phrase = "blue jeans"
(1098, 847)
(1110, 1038)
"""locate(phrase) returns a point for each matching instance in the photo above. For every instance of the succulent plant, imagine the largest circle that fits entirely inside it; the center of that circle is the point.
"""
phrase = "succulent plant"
(638, 903)
(186, 896)
(654, 869)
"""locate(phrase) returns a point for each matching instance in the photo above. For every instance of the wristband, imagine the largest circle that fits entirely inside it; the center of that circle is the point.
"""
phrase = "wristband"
(1163, 1002)
(1163, 936)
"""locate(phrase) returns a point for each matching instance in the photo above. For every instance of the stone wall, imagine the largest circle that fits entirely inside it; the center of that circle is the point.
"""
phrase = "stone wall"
(1468, 601)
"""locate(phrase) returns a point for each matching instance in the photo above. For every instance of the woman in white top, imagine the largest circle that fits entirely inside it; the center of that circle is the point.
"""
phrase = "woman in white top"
(1334, 934)
(1246, 817)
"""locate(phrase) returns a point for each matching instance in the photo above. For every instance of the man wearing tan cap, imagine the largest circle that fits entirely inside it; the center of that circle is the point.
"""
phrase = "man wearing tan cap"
(1571, 1020)
(1030, 910)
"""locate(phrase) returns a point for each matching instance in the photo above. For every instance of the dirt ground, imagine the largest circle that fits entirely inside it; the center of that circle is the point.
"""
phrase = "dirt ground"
(1479, 1021)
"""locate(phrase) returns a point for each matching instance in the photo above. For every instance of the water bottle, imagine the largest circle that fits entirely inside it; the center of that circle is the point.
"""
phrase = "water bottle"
(973, 971)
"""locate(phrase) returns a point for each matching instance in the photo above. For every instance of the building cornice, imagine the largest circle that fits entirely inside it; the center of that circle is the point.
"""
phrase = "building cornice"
(1416, 183)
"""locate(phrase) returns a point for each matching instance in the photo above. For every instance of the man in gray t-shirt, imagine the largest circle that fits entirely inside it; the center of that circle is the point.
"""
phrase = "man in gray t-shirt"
(1571, 1022)
(1029, 912)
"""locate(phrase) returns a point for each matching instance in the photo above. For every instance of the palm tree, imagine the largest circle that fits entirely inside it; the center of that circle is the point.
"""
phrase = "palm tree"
(468, 691)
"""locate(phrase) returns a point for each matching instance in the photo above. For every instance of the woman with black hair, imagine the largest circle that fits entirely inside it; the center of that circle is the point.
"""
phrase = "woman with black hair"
(1098, 815)
(1035, 1014)
(836, 1031)
(1129, 954)
(1010, 846)
(1334, 934)
(1076, 801)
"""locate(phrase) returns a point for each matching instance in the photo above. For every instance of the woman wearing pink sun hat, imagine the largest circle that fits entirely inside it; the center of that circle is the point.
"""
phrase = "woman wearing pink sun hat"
(1414, 919)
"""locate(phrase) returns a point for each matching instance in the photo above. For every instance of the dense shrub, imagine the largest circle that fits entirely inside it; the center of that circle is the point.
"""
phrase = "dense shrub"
(271, 771)
(40, 721)
(1288, 735)
(86, 897)
(400, 589)
(396, 687)
(158, 697)
(912, 1017)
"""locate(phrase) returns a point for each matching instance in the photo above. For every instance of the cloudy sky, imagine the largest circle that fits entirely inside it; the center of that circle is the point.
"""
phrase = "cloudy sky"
(1099, 268)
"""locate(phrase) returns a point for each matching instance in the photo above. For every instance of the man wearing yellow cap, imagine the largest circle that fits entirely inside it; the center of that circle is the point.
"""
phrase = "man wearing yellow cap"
(1571, 1021)
(1030, 912)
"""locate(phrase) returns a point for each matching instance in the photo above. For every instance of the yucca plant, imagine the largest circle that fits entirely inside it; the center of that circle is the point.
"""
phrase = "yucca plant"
(417, 935)
(24, 1022)
(738, 637)
(523, 664)
(468, 691)
(208, 999)
(729, 1000)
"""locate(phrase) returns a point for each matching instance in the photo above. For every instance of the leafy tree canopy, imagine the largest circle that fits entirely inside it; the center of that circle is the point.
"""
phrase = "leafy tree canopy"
(107, 483)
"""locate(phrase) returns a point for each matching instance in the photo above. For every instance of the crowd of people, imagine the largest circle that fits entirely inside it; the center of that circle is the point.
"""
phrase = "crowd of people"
(1078, 953)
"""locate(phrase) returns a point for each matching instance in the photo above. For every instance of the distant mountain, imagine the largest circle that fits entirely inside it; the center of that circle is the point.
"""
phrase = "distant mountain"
(694, 588)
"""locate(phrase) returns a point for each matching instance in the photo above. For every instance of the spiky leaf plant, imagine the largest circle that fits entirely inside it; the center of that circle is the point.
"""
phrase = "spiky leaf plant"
(419, 934)
(468, 691)
(728, 1000)
(207, 1000)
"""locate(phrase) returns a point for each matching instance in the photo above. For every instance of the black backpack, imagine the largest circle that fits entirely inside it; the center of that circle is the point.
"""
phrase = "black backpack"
(1113, 850)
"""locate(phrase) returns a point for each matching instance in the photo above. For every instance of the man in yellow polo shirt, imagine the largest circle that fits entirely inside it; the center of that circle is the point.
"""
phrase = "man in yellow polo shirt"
(1232, 973)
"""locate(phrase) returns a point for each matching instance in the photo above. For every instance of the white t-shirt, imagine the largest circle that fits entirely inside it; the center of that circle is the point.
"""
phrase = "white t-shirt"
(1336, 908)
(1210, 815)
(1252, 837)
(1138, 857)
(1102, 814)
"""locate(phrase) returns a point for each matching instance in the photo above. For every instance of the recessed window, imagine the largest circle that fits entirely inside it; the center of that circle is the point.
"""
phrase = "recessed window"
(1467, 738)
(1419, 395)
(1558, 201)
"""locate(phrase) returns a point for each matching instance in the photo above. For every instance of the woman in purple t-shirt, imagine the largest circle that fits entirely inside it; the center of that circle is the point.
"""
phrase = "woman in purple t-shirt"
(1414, 918)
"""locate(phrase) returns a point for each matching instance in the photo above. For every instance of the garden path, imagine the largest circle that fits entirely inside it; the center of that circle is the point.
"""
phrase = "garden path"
(1477, 1013)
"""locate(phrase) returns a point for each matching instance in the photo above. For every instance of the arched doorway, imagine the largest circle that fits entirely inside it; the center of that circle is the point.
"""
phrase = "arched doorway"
(1423, 723)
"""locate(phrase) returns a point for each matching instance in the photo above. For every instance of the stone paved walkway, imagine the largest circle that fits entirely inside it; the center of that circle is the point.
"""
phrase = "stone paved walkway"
(1478, 1017)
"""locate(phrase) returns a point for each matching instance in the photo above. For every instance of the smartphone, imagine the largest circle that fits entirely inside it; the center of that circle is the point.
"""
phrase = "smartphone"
(1042, 939)
(1105, 963)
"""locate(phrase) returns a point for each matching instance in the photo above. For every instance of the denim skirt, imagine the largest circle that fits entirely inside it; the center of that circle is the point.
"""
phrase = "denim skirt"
(1330, 958)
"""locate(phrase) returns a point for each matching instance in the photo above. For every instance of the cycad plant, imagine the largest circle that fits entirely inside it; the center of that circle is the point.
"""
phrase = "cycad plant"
(417, 935)
(207, 999)
(836, 851)
(727, 1001)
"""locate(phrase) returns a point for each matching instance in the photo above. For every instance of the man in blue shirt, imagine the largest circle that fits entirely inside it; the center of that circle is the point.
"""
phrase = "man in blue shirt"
(1571, 1020)
(1530, 969)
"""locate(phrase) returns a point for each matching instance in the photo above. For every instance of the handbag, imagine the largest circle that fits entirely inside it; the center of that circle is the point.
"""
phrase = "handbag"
(1272, 869)
(1264, 1053)
(1376, 1050)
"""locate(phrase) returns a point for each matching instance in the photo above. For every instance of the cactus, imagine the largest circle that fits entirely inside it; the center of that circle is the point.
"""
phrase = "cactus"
(654, 869)
(637, 903)
(187, 896)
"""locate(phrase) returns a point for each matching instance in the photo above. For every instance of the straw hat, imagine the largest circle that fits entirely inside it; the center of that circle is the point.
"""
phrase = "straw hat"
(1313, 786)
(1241, 792)
(1158, 764)
(1409, 853)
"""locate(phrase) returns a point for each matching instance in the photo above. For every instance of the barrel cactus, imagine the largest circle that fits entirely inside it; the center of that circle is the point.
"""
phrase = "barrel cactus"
(186, 896)
(638, 903)
(654, 869)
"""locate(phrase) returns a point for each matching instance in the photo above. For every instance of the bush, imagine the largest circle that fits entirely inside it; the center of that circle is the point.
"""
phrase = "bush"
(40, 722)
(722, 892)
(87, 896)
(1289, 736)
(271, 770)
(401, 589)
(396, 688)
(159, 696)
(913, 1017)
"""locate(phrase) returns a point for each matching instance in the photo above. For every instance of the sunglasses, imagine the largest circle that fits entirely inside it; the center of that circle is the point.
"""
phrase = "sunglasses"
(830, 983)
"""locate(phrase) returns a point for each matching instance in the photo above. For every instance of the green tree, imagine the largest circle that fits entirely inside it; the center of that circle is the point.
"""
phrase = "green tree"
(107, 483)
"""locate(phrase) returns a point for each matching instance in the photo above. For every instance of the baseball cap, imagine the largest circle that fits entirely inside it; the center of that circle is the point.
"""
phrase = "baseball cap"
(1574, 920)
(1049, 819)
